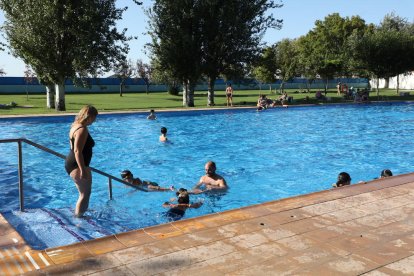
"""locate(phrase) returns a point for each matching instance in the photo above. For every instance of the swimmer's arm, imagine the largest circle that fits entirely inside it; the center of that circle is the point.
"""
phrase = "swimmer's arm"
(200, 182)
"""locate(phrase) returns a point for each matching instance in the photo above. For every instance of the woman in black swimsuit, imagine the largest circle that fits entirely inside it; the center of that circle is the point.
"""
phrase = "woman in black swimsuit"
(80, 155)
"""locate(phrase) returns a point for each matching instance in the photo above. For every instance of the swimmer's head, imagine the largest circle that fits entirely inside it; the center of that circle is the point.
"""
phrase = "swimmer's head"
(343, 179)
(386, 173)
(210, 168)
(163, 130)
(126, 174)
(183, 196)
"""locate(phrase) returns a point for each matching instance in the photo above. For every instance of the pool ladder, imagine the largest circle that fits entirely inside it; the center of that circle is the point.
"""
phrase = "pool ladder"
(19, 142)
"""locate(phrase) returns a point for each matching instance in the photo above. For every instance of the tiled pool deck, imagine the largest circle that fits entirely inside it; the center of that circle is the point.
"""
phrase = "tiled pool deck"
(361, 229)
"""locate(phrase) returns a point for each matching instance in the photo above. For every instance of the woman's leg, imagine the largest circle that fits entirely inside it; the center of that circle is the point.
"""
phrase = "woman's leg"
(84, 186)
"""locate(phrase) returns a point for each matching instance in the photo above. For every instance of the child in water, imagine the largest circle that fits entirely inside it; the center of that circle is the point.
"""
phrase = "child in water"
(177, 211)
(163, 136)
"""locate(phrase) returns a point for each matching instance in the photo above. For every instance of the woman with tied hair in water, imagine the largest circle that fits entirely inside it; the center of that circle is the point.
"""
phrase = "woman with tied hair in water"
(80, 155)
(344, 179)
(177, 211)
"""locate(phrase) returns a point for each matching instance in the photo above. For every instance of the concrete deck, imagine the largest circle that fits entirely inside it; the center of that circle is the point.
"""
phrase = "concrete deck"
(360, 229)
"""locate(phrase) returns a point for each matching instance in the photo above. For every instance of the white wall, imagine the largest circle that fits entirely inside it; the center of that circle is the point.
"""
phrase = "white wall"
(406, 82)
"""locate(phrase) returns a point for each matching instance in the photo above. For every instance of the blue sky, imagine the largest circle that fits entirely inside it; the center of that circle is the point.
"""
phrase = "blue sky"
(299, 17)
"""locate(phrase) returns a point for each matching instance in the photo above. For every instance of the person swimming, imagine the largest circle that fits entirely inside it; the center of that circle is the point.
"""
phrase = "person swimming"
(177, 211)
(163, 136)
(127, 176)
(344, 179)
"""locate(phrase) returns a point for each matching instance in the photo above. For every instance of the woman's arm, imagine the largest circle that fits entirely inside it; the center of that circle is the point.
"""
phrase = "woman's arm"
(80, 139)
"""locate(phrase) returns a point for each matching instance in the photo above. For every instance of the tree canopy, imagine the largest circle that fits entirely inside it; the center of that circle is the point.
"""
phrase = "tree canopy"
(65, 39)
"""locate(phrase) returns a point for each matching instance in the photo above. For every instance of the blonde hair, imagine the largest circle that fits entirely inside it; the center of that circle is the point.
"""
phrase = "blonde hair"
(85, 113)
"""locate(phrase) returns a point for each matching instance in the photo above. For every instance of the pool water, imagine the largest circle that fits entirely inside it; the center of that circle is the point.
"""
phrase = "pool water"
(264, 156)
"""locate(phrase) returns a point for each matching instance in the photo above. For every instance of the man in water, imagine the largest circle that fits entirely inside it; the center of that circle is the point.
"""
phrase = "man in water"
(210, 181)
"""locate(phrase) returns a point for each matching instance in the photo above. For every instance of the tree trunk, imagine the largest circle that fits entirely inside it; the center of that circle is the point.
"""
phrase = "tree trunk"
(188, 93)
(282, 87)
(121, 88)
(50, 99)
(377, 88)
(60, 96)
(387, 83)
(185, 94)
(210, 94)
(147, 87)
(326, 86)
(270, 88)
(398, 84)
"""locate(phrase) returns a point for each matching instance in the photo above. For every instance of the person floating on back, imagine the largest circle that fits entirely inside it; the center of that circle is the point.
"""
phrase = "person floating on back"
(152, 115)
(210, 181)
(163, 136)
(344, 179)
(127, 176)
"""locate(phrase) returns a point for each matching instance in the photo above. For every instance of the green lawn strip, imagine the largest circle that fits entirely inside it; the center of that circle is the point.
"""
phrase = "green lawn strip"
(36, 103)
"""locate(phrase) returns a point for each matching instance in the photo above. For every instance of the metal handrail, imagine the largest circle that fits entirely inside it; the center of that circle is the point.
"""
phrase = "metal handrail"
(20, 168)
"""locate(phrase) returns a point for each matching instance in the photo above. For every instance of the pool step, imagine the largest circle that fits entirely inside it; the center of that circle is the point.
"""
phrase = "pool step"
(15, 262)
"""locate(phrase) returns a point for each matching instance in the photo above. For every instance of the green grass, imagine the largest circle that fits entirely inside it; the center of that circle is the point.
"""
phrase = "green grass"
(36, 104)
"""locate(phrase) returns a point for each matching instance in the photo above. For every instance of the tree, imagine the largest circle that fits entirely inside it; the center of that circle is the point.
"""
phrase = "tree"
(123, 71)
(231, 36)
(29, 77)
(286, 56)
(2, 72)
(265, 69)
(327, 42)
(175, 33)
(65, 39)
(210, 38)
(144, 71)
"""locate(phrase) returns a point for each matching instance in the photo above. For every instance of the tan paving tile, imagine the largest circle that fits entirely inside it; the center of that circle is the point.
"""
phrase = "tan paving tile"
(81, 267)
(145, 251)
(268, 250)
(297, 243)
(134, 238)
(347, 214)
(275, 266)
(163, 231)
(307, 224)
(199, 269)
(276, 233)
(258, 210)
(349, 265)
(401, 267)
(104, 245)
(287, 216)
(118, 271)
(233, 261)
(190, 225)
(11, 239)
(161, 264)
(248, 240)
(385, 253)
(67, 254)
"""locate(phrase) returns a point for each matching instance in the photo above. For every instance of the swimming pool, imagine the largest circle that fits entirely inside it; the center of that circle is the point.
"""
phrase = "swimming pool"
(264, 156)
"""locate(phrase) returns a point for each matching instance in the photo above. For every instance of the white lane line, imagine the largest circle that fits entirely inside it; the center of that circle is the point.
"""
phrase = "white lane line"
(44, 259)
(31, 260)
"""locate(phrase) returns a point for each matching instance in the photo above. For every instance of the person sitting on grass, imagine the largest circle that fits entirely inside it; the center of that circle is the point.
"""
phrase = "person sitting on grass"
(344, 179)
(177, 211)
(127, 176)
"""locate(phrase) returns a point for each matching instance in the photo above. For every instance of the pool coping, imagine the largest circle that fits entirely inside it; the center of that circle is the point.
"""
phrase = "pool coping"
(229, 230)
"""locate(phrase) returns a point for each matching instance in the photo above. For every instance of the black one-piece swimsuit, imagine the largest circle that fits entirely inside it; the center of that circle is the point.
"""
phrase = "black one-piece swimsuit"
(70, 162)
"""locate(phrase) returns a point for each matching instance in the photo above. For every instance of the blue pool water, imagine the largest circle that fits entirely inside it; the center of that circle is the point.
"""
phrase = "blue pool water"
(263, 156)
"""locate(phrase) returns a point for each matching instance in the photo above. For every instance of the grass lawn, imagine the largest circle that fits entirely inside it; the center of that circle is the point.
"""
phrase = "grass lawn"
(36, 104)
